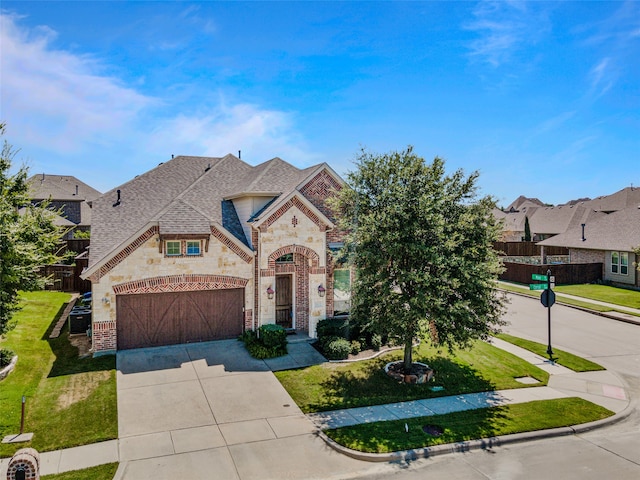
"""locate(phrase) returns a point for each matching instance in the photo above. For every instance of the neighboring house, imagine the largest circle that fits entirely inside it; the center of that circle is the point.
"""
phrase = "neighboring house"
(546, 221)
(205, 248)
(67, 193)
(608, 239)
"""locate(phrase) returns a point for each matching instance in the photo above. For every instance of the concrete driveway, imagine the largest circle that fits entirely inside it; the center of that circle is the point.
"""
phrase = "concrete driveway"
(210, 407)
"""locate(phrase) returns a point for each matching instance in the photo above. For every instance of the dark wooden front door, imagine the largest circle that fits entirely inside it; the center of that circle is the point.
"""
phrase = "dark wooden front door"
(284, 301)
(155, 319)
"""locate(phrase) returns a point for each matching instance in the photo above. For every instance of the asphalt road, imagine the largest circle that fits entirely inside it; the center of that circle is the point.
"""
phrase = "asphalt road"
(610, 452)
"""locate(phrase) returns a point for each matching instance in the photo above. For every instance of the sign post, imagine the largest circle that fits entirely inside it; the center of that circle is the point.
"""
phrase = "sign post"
(549, 302)
(548, 298)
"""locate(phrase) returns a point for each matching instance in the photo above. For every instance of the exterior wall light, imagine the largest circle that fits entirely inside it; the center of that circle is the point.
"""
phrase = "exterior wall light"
(321, 290)
(106, 300)
(270, 292)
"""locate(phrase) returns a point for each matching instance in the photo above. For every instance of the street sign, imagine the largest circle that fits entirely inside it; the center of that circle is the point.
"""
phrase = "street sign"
(537, 286)
(536, 276)
(548, 298)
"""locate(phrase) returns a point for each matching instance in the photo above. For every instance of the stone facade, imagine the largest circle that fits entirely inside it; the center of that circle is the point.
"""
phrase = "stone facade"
(299, 226)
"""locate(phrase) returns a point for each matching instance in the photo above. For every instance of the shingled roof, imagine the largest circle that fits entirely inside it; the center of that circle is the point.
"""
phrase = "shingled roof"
(627, 197)
(63, 188)
(187, 195)
(615, 231)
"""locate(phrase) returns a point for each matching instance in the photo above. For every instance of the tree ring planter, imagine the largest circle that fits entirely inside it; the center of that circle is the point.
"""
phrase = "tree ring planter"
(9, 368)
(420, 372)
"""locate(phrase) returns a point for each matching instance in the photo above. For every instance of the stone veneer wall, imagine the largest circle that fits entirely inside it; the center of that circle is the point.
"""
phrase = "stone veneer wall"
(298, 231)
(577, 255)
(213, 269)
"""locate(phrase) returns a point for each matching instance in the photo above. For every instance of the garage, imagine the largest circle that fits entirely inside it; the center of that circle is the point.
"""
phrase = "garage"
(155, 319)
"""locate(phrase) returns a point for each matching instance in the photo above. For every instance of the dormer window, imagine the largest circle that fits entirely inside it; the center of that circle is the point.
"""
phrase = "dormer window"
(172, 248)
(181, 247)
(193, 247)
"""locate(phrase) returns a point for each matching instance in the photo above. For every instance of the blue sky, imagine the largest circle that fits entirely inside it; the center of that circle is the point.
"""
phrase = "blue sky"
(542, 98)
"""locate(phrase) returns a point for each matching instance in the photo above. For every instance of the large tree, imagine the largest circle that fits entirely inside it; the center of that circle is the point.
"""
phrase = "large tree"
(28, 237)
(422, 246)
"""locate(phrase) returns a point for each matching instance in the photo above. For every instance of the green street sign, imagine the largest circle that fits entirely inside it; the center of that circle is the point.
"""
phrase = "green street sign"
(536, 276)
(537, 286)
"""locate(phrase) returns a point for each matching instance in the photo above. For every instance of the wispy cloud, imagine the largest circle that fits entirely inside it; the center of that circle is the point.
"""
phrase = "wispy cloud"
(220, 129)
(602, 77)
(60, 102)
(503, 28)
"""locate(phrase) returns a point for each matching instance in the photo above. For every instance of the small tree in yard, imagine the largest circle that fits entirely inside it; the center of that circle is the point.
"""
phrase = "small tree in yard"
(422, 246)
(28, 238)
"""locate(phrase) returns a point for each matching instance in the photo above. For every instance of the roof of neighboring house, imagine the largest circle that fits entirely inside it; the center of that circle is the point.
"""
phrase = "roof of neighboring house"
(514, 221)
(60, 187)
(57, 219)
(45, 186)
(555, 220)
(523, 202)
(616, 231)
(187, 195)
(627, 197)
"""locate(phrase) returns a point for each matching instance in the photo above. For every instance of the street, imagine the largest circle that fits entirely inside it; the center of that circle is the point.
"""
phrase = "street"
(610, 452)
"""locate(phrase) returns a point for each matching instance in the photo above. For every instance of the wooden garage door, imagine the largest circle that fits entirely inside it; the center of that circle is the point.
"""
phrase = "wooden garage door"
(155, 319)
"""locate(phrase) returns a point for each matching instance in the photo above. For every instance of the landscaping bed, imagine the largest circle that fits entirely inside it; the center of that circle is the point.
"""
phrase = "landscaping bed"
(70, 401)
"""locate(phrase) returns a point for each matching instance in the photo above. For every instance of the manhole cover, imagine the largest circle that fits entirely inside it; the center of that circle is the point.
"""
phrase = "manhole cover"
(527, 380)
(433, 430)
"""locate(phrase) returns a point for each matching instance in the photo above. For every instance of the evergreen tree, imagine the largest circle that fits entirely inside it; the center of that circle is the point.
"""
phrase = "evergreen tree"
(527, 230)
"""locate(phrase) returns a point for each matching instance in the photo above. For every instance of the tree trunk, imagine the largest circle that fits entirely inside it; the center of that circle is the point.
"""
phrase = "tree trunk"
(408, 354)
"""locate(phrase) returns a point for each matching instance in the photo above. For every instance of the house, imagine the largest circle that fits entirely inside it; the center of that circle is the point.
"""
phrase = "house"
(203, 248)
(608, 239)
(66, 193)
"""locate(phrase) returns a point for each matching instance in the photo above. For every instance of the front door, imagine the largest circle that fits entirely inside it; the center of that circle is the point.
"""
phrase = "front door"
(284, 301)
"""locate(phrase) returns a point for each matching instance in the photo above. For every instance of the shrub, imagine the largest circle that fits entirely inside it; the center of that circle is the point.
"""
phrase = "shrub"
(5, 357)
(376, 341)
(356, 347)
(271, 343)
(333, 327)
(273, 336)
(337, 348)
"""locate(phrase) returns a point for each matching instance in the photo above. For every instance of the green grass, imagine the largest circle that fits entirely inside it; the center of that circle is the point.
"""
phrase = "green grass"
(603, 293)
(575, 363)
(390, 436)
(101, 472)
(567, 301)
(69, 401)
(335, 386)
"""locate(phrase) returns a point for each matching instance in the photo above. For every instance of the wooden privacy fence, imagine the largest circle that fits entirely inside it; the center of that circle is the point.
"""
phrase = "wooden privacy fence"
(527, 249)
(66, 278)
(566, 273)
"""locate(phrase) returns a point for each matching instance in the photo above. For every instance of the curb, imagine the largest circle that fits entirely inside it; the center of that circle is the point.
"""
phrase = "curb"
(479, 444)
(559, 301)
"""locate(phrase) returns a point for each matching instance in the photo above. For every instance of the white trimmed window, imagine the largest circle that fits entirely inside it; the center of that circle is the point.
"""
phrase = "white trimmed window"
(341, 291)
(193, 247)
(172, 248)
(620, 263)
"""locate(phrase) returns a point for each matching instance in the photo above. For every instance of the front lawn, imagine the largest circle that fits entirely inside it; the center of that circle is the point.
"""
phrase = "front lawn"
(603, 293)
(391, 436)
(334, 386)
(573, 362)
(70, 401)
